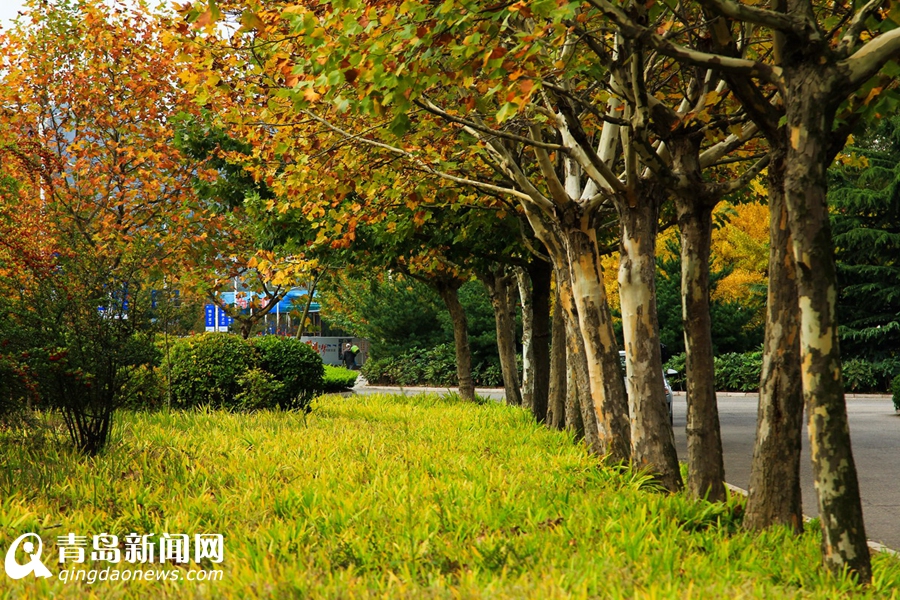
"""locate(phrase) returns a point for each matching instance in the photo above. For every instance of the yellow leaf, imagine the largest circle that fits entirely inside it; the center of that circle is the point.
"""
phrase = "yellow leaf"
(311, 95)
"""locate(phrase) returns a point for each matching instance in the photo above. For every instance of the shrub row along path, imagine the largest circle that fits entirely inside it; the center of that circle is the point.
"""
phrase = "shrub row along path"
(874, 428)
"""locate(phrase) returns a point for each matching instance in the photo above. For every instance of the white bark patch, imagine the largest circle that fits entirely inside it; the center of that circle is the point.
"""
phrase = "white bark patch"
(845, 547)
(587, 287)
(763, 429)
(815, 336)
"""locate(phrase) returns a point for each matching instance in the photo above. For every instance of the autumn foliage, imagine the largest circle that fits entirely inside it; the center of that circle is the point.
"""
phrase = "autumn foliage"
(96, 205)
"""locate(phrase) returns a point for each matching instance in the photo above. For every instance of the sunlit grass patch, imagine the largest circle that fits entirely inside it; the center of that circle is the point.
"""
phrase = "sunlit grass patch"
(393, 497)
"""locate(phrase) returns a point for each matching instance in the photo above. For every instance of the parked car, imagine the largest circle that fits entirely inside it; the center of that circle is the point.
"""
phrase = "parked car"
(669, 395)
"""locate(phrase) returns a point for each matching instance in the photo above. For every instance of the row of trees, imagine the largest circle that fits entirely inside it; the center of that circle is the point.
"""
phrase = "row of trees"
(594, 121)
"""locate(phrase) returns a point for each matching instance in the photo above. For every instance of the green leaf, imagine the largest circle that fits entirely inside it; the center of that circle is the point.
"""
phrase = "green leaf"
(400, 125)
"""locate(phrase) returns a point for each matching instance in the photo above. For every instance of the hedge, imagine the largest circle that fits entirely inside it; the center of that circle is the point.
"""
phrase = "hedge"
(435, 367)
(741, 373)
(222, 370)
(338, 379)
(292, 363)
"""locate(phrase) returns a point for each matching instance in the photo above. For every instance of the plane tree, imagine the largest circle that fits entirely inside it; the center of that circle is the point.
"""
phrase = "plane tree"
(822, 70)
(507, 85)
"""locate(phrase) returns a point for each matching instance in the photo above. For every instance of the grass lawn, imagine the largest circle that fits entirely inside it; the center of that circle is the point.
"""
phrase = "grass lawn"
(393, 497)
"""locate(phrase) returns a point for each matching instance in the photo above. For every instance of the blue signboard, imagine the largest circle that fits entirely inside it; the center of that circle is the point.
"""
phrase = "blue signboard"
(224, 319)
(210, 316)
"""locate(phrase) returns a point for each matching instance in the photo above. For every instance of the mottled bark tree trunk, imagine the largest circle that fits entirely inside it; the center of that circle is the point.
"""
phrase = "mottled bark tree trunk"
(580, 417)
(706, 468)
(583, 420)
(449, 293)
(574, 420)
(652, 439)
(501, 288)
(556, 403)
(607, 388)
(539, 272)
(837, 488)
(525, 300)
(775, 472)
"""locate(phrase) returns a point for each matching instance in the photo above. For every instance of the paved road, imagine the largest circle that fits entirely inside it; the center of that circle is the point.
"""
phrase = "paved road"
(874, 431)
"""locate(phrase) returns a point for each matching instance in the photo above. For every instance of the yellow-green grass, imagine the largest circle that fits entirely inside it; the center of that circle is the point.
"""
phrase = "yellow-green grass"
(395, 497)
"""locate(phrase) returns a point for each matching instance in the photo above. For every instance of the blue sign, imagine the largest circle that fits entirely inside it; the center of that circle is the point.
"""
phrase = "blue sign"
(210, 316)
(224, 319)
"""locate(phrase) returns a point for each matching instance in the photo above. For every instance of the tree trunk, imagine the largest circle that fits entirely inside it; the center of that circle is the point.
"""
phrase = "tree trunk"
(499, 285)
(652, 439)
(556, 403)
(246, 327)
(775, 472)
(310, 293)
(580, 417)
(840, 510)
(607, 388)
(525, 296)
(584, 420)
(449, 293)
(706, 469)
(539, 272)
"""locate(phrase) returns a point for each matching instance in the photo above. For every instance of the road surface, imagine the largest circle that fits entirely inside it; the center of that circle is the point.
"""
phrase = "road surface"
(874, 432)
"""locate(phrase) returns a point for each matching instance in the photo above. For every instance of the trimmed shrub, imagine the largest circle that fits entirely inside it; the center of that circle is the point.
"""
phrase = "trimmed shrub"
(337, 379)
(293, 363)
(741, 373)
(259, 389)
(205, 369)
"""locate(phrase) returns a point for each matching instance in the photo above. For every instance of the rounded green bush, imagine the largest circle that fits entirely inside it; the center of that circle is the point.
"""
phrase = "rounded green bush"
(293, 363)
(205, 369)
(895, 391)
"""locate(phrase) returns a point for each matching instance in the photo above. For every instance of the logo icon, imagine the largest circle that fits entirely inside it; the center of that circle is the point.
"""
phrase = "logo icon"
(33, 566)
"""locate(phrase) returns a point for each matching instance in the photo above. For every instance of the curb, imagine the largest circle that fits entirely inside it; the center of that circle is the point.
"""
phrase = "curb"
(419, 388)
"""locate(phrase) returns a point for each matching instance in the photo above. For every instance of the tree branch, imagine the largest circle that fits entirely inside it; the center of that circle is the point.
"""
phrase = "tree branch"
(720, 189)
(557, 191)
(868, 60)
(759, 16)
(712, 155)
(418, 161)
(434, 109)
(857, 26)
(738, 66)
